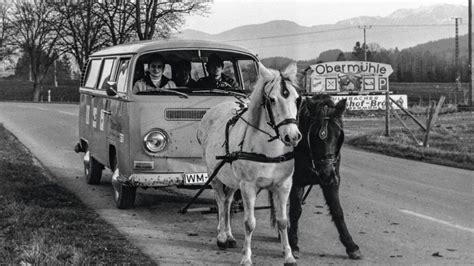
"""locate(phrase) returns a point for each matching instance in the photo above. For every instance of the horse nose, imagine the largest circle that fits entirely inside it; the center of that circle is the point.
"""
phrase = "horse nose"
(298, 137)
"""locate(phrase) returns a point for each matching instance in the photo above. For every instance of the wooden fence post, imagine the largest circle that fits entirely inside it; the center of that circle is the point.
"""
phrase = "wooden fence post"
(387, 114)
(405, 126)
(433, 116)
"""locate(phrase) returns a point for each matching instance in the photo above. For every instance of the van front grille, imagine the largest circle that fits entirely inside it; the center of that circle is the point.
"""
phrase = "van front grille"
(184, 114)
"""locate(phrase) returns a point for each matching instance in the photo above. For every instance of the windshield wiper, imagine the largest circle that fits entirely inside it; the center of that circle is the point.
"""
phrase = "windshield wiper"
(181, 94)
(233, 93)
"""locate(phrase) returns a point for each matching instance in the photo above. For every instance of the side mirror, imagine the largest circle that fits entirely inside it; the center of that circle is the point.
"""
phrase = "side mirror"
(111, 88)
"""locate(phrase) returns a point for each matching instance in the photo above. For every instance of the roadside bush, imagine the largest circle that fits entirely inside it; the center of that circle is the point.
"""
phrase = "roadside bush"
(20, 90)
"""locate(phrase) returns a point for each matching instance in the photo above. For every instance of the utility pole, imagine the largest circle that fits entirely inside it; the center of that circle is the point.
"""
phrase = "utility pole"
(471, 93)
(365, 43)
(456, 58)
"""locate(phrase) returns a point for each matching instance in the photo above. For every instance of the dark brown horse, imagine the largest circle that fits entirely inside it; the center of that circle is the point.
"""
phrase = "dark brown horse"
(317, 159)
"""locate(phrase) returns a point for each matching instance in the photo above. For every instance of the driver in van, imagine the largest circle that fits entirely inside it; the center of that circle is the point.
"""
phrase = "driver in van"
(216, 78)
(154, 79)
(182, 74)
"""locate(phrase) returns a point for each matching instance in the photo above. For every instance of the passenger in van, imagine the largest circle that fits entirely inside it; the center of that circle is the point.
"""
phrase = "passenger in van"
(182, 74)
(154, 79)
(216, 78)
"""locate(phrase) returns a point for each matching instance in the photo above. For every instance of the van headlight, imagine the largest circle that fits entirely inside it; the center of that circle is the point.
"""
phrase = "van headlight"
(156, 140)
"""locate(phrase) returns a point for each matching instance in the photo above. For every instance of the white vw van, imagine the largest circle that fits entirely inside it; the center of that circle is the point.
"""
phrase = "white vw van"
(148, 138)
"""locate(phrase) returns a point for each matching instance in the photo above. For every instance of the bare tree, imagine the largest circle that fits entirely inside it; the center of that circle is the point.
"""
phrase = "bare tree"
(118, 20)
(143, 20)
(82, 32)
(5, 50)
(162, 17)
(32, 30)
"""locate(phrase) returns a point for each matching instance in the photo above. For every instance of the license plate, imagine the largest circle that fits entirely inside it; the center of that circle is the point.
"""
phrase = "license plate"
(195, 178)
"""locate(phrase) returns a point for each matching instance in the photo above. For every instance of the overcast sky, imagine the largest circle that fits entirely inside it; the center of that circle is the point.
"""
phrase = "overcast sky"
(228, 14)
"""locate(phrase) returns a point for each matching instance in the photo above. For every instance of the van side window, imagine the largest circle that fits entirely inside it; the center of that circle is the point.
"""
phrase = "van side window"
(122, 75)
(92, 73)
(106, 71)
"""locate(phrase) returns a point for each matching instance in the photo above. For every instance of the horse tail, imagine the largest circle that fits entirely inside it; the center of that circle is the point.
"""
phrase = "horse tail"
(272, 209)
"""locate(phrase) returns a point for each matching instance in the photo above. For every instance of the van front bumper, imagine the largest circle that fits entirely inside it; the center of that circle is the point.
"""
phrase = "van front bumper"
(166, 179)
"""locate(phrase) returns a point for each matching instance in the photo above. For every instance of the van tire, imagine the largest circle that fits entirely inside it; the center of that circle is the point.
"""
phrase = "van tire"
(124, 195)
(92, 169)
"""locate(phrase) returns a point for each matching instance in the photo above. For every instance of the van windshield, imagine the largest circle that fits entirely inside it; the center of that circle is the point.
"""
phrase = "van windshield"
(194, 72)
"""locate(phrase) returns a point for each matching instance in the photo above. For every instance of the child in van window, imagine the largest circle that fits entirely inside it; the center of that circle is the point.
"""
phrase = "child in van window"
(182, 74)
(216, 78)
(154, 79)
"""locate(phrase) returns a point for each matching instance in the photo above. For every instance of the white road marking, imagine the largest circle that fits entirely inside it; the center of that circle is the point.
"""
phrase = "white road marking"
(35, 107)
(438, 221)
(68, 113)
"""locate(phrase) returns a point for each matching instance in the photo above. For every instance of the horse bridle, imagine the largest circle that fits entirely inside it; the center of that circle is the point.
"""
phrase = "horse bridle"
(328, 159)
(267, 102)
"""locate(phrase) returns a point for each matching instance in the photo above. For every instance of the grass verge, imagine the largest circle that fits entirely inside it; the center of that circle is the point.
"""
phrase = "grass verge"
(42, 223)
(451, 141)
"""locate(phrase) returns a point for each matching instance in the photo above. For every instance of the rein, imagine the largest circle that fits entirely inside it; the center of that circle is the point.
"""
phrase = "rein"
(241, 155)
(258, 157)
(267, 102)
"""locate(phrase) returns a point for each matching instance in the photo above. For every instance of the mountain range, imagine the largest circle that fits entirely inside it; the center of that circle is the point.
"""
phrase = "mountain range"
(401, 29)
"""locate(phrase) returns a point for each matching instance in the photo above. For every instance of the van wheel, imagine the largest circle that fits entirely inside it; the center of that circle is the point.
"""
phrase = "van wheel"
(124, 195)
(92, 169)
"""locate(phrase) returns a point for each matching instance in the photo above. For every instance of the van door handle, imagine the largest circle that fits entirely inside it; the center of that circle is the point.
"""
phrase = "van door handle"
(106, 112)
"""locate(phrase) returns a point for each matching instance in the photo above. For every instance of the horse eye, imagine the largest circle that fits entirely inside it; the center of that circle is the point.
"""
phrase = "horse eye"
(285, 92)
(272, 100)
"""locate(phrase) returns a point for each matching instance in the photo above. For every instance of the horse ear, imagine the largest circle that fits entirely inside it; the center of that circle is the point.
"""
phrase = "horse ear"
(264, 72)
(290, 71)
(340, 107)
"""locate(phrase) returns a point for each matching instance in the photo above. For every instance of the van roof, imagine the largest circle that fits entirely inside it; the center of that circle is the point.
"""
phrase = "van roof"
(154, 45)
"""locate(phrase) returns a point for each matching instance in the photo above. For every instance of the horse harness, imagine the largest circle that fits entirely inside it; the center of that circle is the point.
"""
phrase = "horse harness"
(258, 157)
(330, 158)
(229, 157)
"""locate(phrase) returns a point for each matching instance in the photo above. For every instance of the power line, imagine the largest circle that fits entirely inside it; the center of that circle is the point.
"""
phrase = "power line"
(338, 29)
(288, 35)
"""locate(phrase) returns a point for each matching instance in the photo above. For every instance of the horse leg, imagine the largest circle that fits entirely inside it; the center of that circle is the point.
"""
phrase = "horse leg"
(280, 201)
(249, 195)
(219, 193)
(229, 196)
(331, 195)
(296, 197)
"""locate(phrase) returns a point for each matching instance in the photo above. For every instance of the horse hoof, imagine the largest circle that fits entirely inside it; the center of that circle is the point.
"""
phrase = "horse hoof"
(222, 245)
(231, 243)
(355, 255)
(289, 264)
(246, 262)
(296, 254)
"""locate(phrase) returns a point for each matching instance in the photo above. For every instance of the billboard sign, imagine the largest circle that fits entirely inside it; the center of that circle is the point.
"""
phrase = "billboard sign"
(348, 77)
(370, 102)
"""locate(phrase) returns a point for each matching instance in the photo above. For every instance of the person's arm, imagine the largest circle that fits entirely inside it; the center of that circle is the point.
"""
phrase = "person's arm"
(136, 87)
(171, 84)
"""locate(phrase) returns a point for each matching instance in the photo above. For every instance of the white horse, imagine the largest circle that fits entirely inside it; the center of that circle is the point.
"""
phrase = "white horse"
(257, 162)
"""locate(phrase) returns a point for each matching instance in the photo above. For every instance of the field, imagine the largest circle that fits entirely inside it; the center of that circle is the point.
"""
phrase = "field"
(42, 223)
(451, 141)
(422, 93)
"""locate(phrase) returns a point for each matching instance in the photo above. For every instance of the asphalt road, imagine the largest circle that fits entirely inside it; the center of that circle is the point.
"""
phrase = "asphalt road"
(398, 211)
